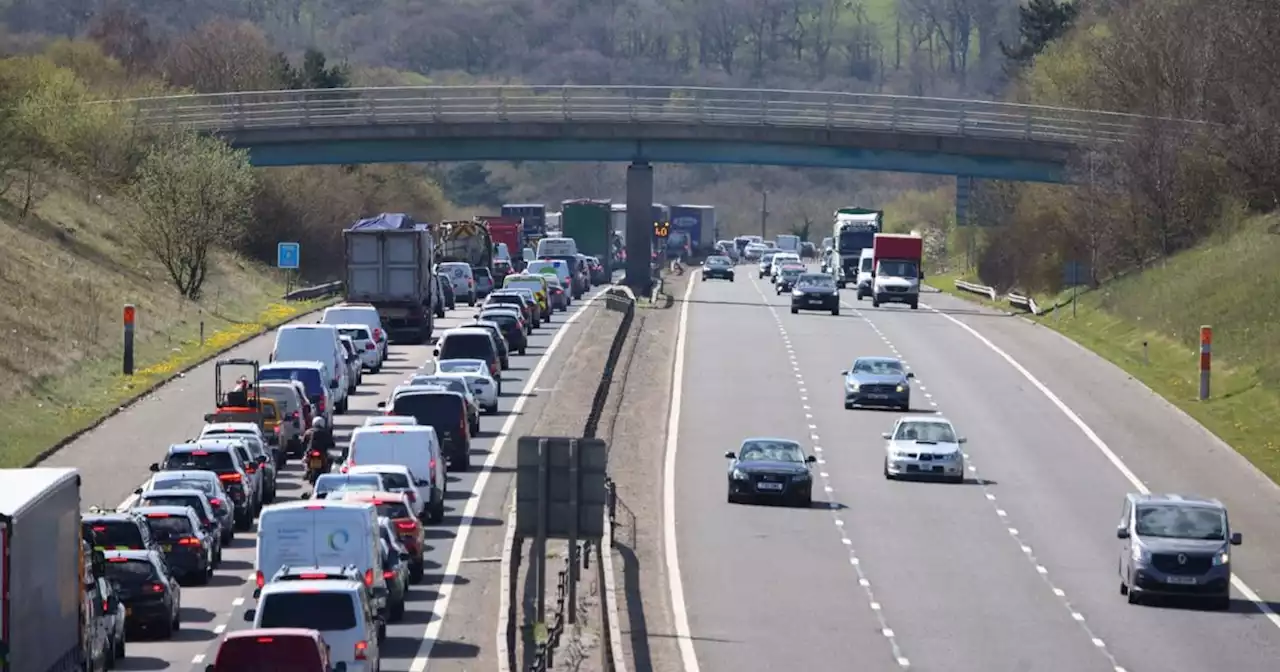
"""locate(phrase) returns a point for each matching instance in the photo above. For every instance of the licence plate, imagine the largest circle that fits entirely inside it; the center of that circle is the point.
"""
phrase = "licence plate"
(395, 312)
(166, 548)
(877, 396)
(769, 486)
(316, 463)
(815, 301)
(1182, 580)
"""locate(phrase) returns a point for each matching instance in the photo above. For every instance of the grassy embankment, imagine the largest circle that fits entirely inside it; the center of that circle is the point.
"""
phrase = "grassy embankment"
(68, 269)
(1230, 282)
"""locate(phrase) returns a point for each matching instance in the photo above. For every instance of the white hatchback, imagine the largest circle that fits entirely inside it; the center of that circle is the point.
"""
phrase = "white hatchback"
(365, 345)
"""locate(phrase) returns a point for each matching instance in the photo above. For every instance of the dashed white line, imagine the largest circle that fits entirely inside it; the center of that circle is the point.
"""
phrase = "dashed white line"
(237, 602)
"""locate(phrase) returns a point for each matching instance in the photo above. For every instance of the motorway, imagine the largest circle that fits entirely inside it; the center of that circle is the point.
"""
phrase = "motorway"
(1015, 570)
(114, 457)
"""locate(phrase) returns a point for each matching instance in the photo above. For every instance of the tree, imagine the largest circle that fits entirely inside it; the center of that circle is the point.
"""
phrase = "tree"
(196, 193)
(223, 56)
(1039, 23)
(125, 36)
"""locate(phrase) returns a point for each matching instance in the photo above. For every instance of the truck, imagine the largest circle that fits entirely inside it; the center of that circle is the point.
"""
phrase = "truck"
(507, 231)
(587, 222)
(855, 230)
(788, 242)
(45, 624)
(534, 216)
(896, 271)
(465, 240)
(618, 220)
(390, 260)
(694, 225)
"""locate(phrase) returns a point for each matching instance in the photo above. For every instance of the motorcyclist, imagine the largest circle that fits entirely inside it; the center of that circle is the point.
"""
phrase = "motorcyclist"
(319, 439)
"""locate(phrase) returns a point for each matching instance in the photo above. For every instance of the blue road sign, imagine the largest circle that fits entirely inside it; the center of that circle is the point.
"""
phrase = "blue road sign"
(288, 255)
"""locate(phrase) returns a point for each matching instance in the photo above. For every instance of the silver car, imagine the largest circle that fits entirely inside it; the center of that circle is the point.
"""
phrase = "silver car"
(925, 447)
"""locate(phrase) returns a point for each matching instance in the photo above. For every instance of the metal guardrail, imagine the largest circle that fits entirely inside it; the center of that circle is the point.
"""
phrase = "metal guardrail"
(544, 655)
(989, 292)
(316, 292)
(223, 112)
(1026, 303)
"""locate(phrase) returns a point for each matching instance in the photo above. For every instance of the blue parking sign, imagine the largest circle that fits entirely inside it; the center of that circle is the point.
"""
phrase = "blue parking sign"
(288, 254)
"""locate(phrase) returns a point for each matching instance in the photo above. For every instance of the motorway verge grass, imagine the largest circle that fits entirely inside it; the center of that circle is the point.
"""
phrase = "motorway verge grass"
(68, 269)
(1231, 283)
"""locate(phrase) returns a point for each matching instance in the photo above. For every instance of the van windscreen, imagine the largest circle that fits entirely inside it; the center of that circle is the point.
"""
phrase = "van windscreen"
(310, 378)
(441, 411)
(466, 346)
(314, 610)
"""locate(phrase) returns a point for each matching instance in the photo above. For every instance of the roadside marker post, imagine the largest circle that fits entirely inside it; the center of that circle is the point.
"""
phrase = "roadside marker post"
(130, 315)
(1206, 357)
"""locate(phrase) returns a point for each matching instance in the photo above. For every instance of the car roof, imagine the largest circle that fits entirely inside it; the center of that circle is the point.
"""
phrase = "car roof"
(317, 586)
(171, 510)
(381, 420)
(220, 445)
(356, 306)
(190, 492)
(351, 325)
(1174, 498)
(467, 330)
(426, 391)
(773, 439)
(488, 324)
(184, 475)
(110, 517)
(370, 496)
(231, 426)
(878, 358)
(293, 364)
(924, 419)
(376, 468)
(306, 327)
(394, 429)
(254, 633)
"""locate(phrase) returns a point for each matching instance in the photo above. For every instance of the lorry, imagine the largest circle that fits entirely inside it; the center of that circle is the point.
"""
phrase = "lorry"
(588, 223)
(534, 216)
(694, 226)
(45, 619)
(896, 271)
(855, 230)
(788, 242)
(465, 240)
(508, 231)
(390, 261)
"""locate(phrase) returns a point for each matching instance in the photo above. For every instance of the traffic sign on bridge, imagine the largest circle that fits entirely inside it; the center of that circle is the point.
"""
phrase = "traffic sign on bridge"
(288, 255)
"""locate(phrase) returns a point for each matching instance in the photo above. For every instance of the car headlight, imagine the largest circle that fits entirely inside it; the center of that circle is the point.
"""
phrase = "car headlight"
(740, 475)
(899, 454)
(801, 478)
(851, 385)
(1140, 554)
(1221, 559)
(902, 388)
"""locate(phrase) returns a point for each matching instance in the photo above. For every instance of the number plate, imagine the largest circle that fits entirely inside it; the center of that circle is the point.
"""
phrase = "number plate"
(816, 301)
(877, 396)
(769, 486)
(1182, 580)
(166, 548)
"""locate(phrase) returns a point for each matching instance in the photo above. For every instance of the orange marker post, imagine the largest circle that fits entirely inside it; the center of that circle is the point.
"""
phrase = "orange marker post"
(1206, 357)
(130, 314)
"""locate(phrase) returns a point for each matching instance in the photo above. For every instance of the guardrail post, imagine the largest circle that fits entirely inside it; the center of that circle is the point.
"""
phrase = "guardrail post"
(831, 110)
(1028, 132)
(305, 101)
(564, 102)
(631, 104)
(369, 113)
(764, 108)
(436, 112)
(237, 115)
(699, 107)
(502, 104)
(961, 120)
(893, 115)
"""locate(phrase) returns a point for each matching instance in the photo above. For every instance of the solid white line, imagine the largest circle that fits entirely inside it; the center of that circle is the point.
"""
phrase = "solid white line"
(441, 605)
(1102, 446)
(683, 636)
(504, 592)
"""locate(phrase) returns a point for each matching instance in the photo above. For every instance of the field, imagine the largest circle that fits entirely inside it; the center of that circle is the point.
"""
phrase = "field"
(68, 268)
(1231, 283)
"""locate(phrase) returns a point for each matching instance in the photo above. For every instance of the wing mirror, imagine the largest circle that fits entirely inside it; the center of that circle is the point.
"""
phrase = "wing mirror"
(250, 614)
(1236, 539)
(1122, 532)
(844, 373)
(886, 435)
(209, 668)
(436, 352)
(811, 459)
(382, 404)
(306, 495)
(962, 439)
(729, 455)
(155, 467)
(262, 459)
(340, 667)
(910, 375)
(137, 491)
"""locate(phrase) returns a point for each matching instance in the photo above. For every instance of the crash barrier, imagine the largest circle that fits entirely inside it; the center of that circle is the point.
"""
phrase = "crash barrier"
(1023, 302)
(544, 655)
(621, 299)
(316, 292)
(975, 288)
(1019, 301)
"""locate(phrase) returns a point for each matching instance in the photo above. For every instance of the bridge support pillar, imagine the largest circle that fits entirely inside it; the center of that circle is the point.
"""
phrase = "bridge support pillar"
(639, 226)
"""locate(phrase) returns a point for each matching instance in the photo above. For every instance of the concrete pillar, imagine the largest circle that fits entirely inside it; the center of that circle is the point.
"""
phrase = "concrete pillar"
(639, 226)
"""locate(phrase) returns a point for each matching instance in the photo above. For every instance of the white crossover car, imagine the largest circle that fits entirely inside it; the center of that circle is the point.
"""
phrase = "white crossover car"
(924, 447)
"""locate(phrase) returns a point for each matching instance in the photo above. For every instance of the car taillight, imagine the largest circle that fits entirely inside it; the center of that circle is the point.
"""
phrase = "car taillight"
(259, 579)
(370, 346)
(345, 468)
(462, 428)
(277, 429)
(156, 588)
(310, 577)
(315, 453)
(265, 640)
(215, 502)
(293, 415)
(407, 525)
(362, 648)
(188, 541)
(320, 406)
(388, 574)
(229, 478)
(377, 334)
(250, 469)
(106, 608)
(368, 577)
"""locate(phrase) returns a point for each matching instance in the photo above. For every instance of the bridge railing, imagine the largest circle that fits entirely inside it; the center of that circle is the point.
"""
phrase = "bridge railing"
(639, 104)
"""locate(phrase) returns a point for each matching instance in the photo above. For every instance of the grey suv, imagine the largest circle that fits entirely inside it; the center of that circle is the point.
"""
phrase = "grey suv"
(1175, 546)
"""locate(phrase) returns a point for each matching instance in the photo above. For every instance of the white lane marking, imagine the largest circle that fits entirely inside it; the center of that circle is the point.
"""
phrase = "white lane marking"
(198, 659)
(1041, 571)
(237, 602)
(1112, 457)
(675, 583)
(440, 607)
(220, 629)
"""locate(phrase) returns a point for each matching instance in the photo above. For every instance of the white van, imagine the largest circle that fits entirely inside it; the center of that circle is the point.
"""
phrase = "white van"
(329, 533)
(353, 313)
(414, 446)
(557, 247)
(502, 252)
(865, 261)
(320, 343)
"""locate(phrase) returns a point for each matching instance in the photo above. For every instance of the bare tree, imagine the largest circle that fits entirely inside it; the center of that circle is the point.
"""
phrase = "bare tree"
(222, 56)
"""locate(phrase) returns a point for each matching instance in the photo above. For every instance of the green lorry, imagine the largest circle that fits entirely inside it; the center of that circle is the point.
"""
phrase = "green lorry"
(588, 223)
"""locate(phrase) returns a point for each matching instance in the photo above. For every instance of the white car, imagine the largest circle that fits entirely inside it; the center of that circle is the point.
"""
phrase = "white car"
(360, 313)
(460, 366)
(355, 365)
(462, 279)
(782, 259)
(396, 478)
(366, 347)
(377, 420)
(925, 447)
(483, 387)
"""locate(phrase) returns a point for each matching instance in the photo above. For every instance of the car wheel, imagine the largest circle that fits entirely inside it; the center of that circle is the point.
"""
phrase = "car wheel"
(1134, 597)
(848, 405)
(887, 475)
(166, 631)
(805, 502)
(471, 299)
(1220, 603)
(492, 409)
(1124, 587)
(521, 351)
(376, 370)
(704, 277)
(416, 572)
(836, 311)
(397, 612)
(915, 305)
(121, 647)
(732, 498)
(875, 303)
(794, 310)
(228, 536)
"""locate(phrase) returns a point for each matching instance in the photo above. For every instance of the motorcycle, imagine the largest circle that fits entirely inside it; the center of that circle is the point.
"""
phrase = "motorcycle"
(317, 459)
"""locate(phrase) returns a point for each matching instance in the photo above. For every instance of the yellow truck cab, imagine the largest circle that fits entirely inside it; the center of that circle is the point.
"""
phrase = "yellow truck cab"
(534, 282)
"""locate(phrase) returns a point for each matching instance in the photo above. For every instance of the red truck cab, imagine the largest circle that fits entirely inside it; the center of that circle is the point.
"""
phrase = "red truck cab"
(897, 269)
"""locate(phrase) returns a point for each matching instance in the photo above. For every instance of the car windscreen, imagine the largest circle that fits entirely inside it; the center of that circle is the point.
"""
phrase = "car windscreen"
(349, 482)
(356, 334)
(116, 534)
(817, 280)
(127, 572)
(284, 398)
(466, 346)
(451, 384)
(169, 528)
(310, 379)
(185, 484)
(175, 500)
(319, 610)
(217, 461)
(926, 432)
(507, 322)
(441, 411)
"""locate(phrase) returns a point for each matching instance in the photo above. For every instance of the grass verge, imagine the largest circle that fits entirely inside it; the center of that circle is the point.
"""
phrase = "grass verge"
(1230, 283)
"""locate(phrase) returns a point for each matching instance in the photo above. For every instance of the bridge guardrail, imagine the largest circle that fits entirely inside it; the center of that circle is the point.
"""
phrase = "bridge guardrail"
(224, 112)
(989, 292)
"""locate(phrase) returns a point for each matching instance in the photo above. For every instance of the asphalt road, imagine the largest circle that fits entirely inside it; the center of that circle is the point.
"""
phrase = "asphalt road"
(1014, 570)
(114, 459)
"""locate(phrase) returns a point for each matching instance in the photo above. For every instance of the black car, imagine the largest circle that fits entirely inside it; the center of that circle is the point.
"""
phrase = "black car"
(151, 595)
(123, 531)
(770, 470)
(815, 291)
(597, 271)
(395, 569)
(222, 461)
(206, 482)
(199, 503)
(512, 328)
(188, 551)
(446, 290)
(788, 276)
(514, 299)
(447, 413)
(717, 267)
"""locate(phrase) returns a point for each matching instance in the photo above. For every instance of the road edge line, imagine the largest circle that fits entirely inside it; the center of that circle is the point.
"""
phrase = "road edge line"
(618, 654)
(506, 624)
(688, 655)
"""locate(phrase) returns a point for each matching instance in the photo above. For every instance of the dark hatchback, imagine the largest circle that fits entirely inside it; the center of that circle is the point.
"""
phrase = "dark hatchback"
(770, 470)
(717, 267)
(200, 504)
(513, 328)
(221, 461)
(151, 595)
(508, 298)
(187, 549)
(815, 291)
(446, 412)
(125, 531)
(877, 381)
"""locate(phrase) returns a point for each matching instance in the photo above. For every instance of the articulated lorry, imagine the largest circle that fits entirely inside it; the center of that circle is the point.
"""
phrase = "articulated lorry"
(390, 259)
(534, 216)
(694, 226)
(507, 231)
(465, 240)
(588, 223)
(897, 269)
(855, 230)
(44, 621)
